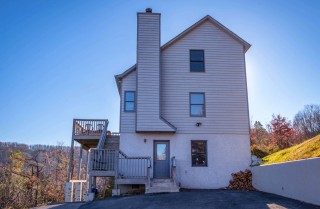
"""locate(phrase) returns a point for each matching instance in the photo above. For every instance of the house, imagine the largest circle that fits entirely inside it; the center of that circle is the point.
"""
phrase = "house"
(184, 119)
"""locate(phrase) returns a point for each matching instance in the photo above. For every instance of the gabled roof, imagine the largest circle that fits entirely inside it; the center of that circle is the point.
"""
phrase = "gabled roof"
(245, 44)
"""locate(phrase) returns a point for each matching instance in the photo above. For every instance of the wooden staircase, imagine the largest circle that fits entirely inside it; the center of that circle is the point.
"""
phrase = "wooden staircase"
(129, 170)
(106, 160)
(115, 163)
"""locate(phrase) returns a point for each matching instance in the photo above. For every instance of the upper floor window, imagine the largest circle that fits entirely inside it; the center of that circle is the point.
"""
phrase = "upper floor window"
(129, 101)
(199, 153)
(197, 104)
(196, 60)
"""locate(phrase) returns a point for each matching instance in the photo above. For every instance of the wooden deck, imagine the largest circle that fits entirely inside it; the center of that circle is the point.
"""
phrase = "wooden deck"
(104, 157)
(88, 132)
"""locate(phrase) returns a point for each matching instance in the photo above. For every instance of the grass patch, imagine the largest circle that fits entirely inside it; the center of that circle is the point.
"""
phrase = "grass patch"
(307, 149)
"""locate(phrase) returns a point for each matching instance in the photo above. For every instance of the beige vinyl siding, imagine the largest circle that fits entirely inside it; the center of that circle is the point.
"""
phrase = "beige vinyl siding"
(148, 74)
(128, 119)
(223, 82)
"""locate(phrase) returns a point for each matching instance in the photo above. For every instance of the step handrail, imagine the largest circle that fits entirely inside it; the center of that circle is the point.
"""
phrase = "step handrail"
(123, 154)
(103, 136)
(174, 169)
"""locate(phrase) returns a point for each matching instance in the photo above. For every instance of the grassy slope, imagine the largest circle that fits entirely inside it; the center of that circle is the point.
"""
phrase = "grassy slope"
(307, 149)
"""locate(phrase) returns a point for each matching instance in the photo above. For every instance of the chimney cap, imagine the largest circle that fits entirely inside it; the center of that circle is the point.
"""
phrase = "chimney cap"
(148, 10)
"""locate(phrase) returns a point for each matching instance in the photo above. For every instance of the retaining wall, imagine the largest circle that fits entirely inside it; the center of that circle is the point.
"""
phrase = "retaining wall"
(297, 179)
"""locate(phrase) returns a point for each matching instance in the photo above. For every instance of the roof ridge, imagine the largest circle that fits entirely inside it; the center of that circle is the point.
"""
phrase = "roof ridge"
(245, 44)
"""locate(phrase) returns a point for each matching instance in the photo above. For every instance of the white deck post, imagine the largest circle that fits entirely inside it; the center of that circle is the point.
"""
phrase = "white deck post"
(68, 197)
(89, 177)
(80, 162)
(78, 191)
(71, 161)
(116, 168)
(87, 165)
(71, 153)
(89, 183)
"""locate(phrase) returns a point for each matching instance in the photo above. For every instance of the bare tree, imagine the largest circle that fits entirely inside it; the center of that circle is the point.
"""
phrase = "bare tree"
(307, 121)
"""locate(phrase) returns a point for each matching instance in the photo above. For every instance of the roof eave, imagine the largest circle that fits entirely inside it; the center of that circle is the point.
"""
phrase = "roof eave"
(119, 77)
(118, 82)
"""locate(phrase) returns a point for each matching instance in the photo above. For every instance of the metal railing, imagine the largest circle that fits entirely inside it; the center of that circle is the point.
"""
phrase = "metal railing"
(89, 127)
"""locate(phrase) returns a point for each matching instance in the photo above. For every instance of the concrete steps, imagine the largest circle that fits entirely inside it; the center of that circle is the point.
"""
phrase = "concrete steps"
(161, 186)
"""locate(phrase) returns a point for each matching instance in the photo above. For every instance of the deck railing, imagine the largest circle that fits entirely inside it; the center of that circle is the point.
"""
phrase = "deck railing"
(103, 137)
(115, 134)
(133, 167)
(89, 127)
(115, 160)
(103, 159)
(75, 190)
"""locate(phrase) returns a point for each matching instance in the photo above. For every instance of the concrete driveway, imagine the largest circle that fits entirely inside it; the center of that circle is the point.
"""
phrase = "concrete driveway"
(196, 199)
(73, 205)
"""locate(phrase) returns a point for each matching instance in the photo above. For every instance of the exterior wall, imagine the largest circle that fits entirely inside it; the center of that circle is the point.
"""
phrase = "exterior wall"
(226, 125)
(224, 83)
(148, 74)
(298, 179)
(226, 154)
(127, 119)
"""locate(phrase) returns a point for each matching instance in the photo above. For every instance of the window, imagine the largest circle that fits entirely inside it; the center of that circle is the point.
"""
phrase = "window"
(161, 151)
(197, 105)
(129, 101)
(199, 153)
(196, 60)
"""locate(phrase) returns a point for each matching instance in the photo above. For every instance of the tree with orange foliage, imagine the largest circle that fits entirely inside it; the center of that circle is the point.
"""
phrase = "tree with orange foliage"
(282, 133)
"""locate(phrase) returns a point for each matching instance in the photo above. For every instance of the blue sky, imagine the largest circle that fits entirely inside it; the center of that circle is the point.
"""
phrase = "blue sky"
(58, 58)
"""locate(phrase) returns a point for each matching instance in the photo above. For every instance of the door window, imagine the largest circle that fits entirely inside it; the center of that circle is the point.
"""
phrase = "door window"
(161, 151)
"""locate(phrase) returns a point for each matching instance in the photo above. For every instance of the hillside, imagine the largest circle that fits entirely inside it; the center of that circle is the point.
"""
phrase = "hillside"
(307, 149)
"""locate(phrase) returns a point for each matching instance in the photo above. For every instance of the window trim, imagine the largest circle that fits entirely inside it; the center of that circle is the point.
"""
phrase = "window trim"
(206, 165)
(204, 104)
(204, 66)
(125, 101)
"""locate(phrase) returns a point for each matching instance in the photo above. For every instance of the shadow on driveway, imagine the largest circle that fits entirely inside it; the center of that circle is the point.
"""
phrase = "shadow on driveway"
(198, 199)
